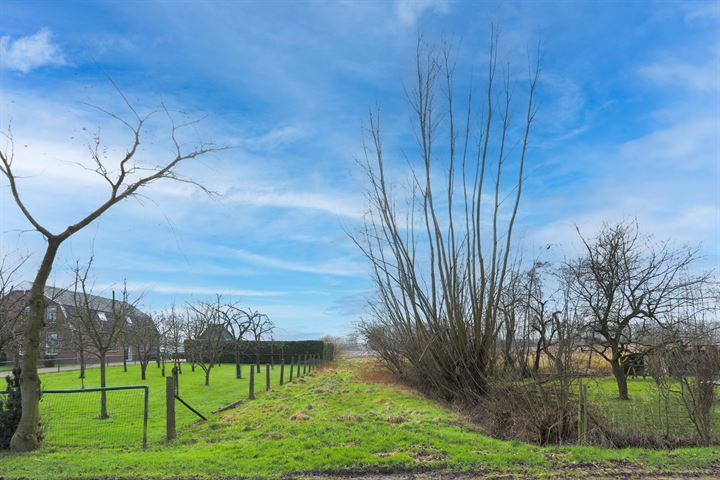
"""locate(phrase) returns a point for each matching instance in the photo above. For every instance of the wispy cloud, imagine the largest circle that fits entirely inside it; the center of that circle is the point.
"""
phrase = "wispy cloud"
(336, 204)
(340, 267)
(184, 289)
(28, 53)
(701, 77)
(408, 11)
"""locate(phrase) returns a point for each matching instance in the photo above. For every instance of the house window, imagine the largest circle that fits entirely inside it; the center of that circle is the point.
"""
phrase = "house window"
(51, 314)
(102, 316)
(51, 344)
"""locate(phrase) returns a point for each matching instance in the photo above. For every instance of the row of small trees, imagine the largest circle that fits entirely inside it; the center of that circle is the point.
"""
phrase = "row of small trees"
(199, 332)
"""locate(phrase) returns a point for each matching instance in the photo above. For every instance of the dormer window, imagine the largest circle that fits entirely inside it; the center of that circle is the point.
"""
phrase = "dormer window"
(52, 314)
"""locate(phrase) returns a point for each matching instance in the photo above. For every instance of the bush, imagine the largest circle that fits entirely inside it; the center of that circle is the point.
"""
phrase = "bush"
(10, 409)
(48, 362)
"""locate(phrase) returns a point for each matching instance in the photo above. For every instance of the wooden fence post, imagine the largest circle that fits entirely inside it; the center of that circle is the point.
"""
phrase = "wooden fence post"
(292, 367)
(305, 364)
(177, 380)
(251, 396)
(282, 370)
(267, 377)
(582, 415)
(170, 411)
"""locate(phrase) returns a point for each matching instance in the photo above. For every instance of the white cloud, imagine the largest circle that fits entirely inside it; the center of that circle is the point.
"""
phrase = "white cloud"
(702, 78)
(30, 52)
(328, 203)
(685, 144)
(336, 267)
(408, 11)
(169, 288)
(701, 11)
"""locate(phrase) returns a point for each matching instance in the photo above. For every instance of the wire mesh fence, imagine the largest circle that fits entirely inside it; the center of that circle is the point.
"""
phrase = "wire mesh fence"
(650, 416)
(71, 416)
(74, 418)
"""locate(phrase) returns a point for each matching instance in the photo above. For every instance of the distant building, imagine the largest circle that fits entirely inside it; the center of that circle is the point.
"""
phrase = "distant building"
(58, 339)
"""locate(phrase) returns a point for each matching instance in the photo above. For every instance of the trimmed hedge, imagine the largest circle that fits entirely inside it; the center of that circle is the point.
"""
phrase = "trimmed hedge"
(272, 352)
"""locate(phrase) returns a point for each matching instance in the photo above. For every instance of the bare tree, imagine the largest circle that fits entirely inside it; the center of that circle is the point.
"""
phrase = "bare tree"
(103, 323)
(144, 334)
(172, 325)
(126, 179)
(441, 263)
(259, 326)
(79, 340)
(210, 334)
(624, 282)
(238, 323)
(12, 305)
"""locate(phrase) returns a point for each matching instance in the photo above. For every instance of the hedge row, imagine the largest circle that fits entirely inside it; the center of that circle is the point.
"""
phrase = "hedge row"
(272, 352)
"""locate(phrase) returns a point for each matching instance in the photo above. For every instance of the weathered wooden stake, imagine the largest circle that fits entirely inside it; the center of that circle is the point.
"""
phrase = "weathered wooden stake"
(177, 380)
(170, 411)
(292, 367)
(267, 377)
(282, 370)
(305, 364)
(251, 396)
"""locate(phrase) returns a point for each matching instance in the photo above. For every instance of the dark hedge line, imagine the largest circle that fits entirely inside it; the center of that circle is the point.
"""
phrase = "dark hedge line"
(272, 352)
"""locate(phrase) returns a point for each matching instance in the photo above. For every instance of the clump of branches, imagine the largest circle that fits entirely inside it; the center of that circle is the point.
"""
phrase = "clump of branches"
(439, 271)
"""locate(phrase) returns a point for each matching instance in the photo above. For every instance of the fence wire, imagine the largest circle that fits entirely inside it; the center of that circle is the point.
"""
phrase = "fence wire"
(651, 415)
(72, 418)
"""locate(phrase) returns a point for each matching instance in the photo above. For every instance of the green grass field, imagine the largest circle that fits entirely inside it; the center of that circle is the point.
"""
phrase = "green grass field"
(645, 411)
(72, 419)
(337, 419)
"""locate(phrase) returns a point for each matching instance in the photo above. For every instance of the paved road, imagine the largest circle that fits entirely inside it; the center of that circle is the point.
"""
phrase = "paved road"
(66, 368)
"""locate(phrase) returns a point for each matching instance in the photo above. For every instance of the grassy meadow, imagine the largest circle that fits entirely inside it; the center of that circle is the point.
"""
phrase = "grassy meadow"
(345, 418)
(72, 419)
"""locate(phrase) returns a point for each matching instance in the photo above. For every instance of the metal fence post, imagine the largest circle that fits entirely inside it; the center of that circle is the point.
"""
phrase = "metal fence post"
(145, 417)
(170, 412)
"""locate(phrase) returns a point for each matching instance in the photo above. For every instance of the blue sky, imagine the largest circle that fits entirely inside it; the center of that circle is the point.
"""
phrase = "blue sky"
(629, 126)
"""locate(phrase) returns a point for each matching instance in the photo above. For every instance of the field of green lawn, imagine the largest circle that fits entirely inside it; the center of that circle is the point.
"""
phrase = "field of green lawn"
(72, 419)
(338, 419)
(646, 411)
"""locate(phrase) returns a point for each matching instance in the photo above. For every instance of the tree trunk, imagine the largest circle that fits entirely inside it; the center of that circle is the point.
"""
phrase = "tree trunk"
(125, 359)
(25, 437)
(538, 354)
(238, 368)
(103, 394)
(82, 362)
(620, 378)
(207, 377)
(143, 369)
